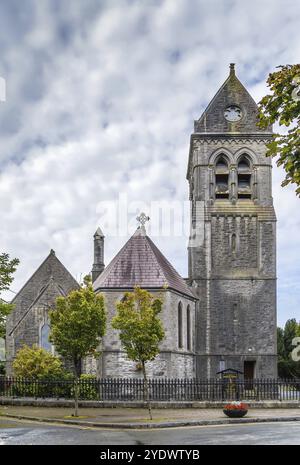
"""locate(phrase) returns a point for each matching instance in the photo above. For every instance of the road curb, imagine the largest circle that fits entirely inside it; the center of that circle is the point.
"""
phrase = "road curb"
(170, 424)
(40, 402)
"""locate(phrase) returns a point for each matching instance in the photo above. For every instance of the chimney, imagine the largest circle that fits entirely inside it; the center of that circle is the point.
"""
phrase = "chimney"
(98, 265)
(232, 69)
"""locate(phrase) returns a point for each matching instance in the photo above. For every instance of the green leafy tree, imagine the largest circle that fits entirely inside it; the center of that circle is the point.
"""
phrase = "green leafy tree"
(290, 332)
(5, 310)
(78, 323)
(7, 269)
(37, 363)
(141, 329)
(280, 344)
(282, 106)
(287, 368)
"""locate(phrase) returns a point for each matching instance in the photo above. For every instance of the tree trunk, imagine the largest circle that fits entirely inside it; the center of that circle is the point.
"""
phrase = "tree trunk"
(76, 389)
(77, 366)
(146, 390)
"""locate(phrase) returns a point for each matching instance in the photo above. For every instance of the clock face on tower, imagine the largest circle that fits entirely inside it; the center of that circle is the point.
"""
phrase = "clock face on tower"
(233, 113)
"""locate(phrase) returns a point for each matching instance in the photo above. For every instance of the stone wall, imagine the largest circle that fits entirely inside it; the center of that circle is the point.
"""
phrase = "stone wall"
(236, 287)
(33, 303)
(115, 364)
(172, 360)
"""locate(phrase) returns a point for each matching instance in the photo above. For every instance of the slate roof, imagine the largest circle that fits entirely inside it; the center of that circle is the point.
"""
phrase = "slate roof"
(141, 263)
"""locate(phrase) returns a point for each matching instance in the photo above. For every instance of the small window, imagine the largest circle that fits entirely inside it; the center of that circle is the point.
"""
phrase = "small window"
(233, 243)
(45, 343)
(222, 365)
(180, 338)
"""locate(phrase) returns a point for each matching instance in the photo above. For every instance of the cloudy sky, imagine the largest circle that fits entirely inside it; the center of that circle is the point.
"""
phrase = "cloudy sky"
(100, 101)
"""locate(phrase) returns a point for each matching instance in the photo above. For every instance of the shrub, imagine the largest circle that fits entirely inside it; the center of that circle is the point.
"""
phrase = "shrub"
(88, 387)
(2, 369)
(35, 362)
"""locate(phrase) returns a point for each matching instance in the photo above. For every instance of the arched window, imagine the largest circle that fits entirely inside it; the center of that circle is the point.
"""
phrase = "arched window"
(180, 338)
(244, 178)
(45, 343)
(188, 328)
(221, 163)
(221, 178)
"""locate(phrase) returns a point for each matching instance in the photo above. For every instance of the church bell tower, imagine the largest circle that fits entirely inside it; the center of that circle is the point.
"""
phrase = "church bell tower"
(232, 247)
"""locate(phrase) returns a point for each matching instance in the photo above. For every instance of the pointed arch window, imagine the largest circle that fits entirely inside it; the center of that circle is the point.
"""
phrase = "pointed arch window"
(180, 328)
(188, 328)
(244, 178)
(45, 343)
(221, 178)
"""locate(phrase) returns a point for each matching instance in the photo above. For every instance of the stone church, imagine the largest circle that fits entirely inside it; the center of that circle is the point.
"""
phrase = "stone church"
(224, 314)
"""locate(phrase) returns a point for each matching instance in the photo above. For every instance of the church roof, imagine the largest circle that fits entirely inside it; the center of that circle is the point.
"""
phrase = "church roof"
(51, 278)
(52, 288)
(231, 93)
(140, 263)
(52, 268)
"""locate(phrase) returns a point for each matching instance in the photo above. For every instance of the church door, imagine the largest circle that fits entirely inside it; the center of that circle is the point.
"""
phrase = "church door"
(249, 370)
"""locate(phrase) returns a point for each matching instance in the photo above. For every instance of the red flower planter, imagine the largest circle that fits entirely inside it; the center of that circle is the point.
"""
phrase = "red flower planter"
(235, 413)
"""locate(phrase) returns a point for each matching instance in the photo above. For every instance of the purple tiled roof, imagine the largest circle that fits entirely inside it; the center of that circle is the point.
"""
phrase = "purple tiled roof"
(140, 263)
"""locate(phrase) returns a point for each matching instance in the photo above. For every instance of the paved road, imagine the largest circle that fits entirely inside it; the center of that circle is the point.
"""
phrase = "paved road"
(21, 432)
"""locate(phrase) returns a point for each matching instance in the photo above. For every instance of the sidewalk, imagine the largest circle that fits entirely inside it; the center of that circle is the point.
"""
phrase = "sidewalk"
(138, 418)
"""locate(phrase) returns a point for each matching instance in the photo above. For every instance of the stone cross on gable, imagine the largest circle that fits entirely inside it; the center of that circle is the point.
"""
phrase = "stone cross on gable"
(142, 219)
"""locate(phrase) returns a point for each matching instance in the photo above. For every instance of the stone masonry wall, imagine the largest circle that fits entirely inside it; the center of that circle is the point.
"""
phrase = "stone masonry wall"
(171, 362)
(236, 286)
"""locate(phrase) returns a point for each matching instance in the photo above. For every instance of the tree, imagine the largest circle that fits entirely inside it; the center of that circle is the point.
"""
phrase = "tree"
(35, 362)
(280, 344)
(78, 322)
(291, 329)
(140, 328)
(7, 269)
(282, 105)
(287, 368)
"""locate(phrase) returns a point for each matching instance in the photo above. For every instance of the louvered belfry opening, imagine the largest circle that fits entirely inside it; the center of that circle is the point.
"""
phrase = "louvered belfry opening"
(244, 179)
(222, 178)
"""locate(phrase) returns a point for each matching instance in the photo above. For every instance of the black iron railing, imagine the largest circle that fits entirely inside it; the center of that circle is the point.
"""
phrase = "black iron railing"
(121, 389)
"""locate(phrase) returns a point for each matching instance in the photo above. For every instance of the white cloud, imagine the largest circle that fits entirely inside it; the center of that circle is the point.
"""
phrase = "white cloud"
(101, 99)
